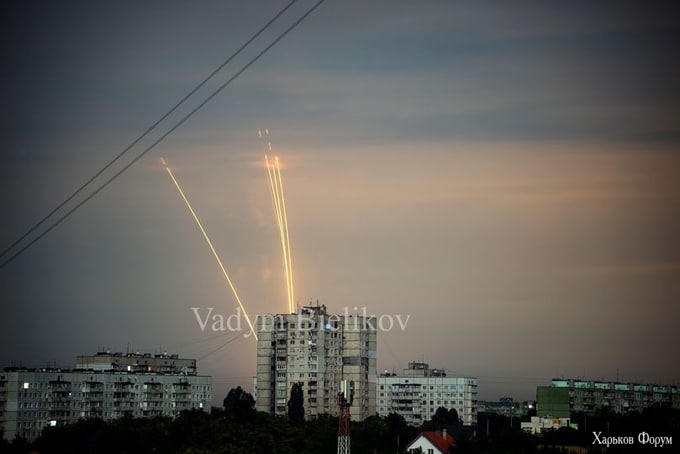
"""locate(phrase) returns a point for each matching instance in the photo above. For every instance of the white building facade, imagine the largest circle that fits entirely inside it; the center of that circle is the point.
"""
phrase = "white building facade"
(419, 391)
(32, 399)
(319, 350)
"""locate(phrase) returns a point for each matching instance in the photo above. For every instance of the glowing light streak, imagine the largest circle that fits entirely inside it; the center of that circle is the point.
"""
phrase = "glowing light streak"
(212, 248)
(273, 171)
(279, 204)
(285, 226)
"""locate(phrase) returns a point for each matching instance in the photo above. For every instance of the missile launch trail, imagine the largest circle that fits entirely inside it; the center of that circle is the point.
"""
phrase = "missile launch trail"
(285, 225)
(276, 186)
(212, 248)
(279, 203)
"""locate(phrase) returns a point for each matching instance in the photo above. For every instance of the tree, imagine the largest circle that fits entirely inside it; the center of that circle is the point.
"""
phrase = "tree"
(296, 409)
(446, 418)
(443, 419)
(238, 402)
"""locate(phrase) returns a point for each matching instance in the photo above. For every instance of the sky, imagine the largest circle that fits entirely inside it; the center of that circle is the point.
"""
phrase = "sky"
(502, 175)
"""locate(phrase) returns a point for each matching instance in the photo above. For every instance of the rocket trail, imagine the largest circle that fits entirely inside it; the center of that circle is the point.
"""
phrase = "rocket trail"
(279, 204)
(285, 226)
(279, 210)
(207, 239)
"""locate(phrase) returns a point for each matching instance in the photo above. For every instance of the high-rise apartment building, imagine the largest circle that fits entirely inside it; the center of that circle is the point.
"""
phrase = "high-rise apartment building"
(321, 350)
(419, 391)
(106, 386)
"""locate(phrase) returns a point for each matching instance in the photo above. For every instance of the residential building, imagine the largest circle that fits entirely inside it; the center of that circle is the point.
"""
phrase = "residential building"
(432, 443)
(31, 399)
(567, 396)
(505, 406)
(322, 351)
(419, 391)
(137, 362)
(552, 402)
(538, 424)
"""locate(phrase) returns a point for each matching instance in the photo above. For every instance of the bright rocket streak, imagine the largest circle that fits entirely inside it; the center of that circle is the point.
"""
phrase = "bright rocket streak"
(276, 186)
(285, 224)
(207, 239)
(278, 200)
(279, 219)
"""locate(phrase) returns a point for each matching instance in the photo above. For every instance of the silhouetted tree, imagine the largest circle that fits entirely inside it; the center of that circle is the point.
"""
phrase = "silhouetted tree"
(238, 402)
(296, 409)
(198, 432)
(443, 419)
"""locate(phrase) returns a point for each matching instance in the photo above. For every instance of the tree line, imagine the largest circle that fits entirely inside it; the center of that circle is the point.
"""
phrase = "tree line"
(237, 428)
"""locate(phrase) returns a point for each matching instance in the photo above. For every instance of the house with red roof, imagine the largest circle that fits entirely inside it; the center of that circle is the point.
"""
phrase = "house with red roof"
(434, 442)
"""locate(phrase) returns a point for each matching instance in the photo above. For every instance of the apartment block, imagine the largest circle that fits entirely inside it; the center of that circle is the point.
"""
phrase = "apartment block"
(32, 399)
(419, 391)
(320, 350)
(567, 396)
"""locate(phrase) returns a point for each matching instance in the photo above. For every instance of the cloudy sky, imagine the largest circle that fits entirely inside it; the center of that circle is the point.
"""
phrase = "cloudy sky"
(504, 174)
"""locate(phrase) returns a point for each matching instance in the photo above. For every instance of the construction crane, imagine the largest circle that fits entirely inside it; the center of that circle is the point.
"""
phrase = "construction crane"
(343, 420)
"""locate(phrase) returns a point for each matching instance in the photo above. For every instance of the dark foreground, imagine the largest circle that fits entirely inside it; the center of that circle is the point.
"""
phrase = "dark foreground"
(230, 432)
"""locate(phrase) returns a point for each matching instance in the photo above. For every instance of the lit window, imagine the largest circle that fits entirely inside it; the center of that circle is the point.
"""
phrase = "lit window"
(26, 385)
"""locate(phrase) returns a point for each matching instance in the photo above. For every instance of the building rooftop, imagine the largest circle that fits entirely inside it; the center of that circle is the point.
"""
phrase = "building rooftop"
(118, 362)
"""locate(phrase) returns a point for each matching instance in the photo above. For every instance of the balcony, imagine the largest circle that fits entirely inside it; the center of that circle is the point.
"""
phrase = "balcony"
(121, 395)
(59, 406)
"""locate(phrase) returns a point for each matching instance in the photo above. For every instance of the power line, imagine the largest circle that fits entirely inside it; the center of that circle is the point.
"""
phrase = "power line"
(229, 341)
(161, 138)
(145, 133)
(190, 343)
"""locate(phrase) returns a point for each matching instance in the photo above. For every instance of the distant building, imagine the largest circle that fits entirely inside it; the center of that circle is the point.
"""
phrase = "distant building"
(552, 402)
(137, 363)
(538, 424)
(505, 406)
(419, 391)
(321, 350)
(432, 443)
(567, 396)
(134, 384)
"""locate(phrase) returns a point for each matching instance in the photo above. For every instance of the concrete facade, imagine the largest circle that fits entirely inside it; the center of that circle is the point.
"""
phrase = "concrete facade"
(419, 391)
(319, 350)
(32, 399)
(137, 362)
(567, 396)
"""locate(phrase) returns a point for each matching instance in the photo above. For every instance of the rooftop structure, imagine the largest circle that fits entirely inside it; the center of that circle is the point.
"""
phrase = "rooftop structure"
(137, 362)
